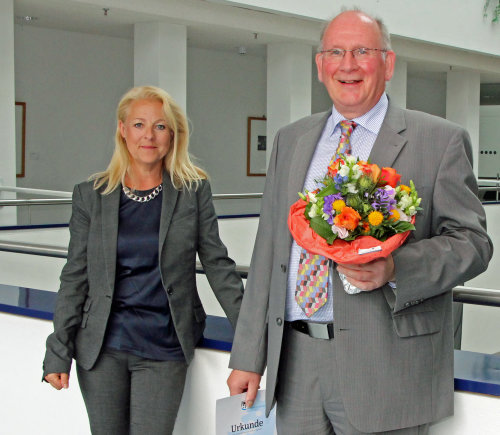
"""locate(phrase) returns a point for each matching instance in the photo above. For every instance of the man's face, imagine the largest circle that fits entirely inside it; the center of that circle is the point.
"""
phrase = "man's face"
(354, 85)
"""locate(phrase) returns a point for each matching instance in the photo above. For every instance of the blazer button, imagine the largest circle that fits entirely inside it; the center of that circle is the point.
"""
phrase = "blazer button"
(407, 304)
(283, 268)
(170, 291)
(279, 321)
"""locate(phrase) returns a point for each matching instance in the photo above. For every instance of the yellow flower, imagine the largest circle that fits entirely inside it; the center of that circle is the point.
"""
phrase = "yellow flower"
(405, 188)
(375, 218)
(394, 215)
(338, 205)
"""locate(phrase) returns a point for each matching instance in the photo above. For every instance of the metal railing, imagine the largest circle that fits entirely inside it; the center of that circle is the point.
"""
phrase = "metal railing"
(485, 185)
(58, 201)
(467, 295)
(489, 185)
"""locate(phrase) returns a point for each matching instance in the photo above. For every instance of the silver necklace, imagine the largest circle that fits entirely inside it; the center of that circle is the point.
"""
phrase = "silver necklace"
(131, 195)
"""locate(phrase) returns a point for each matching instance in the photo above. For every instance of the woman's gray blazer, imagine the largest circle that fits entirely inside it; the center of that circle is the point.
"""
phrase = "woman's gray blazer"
(188, 227)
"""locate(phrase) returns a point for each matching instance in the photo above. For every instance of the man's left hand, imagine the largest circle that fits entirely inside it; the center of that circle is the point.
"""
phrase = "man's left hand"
(369, 276)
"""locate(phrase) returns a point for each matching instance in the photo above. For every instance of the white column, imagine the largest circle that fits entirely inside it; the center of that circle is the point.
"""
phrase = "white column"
(160, 58)
(462, 105)
(289, 83)
(7, 109)
(396, 88)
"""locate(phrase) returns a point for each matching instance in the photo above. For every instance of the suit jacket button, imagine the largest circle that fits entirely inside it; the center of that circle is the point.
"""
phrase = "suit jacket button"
(407, 304)
(170, 290)
(283, 268)
(279, 321)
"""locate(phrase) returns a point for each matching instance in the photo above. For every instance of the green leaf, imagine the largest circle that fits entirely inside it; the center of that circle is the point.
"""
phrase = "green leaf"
(402, 226)
(323, 229)
(328, 190)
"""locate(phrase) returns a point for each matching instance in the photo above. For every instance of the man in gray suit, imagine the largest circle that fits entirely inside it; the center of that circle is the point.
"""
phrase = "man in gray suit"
(380, 361)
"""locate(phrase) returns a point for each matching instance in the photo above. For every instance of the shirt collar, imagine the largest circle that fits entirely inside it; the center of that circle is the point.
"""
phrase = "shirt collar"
(371, 120)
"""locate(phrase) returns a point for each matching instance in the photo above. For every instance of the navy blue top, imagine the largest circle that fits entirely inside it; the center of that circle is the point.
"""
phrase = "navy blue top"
(140, 320)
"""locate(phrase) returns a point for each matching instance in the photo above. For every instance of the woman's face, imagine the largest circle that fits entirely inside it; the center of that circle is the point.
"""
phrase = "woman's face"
(146, 133)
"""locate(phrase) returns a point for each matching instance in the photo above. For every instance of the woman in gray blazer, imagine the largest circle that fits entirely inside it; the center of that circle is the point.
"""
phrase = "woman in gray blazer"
(128, 310)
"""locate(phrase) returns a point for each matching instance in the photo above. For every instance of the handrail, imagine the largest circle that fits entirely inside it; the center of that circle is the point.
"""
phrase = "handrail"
(57, 201)
(467, 295)
(495, 186)
(44, 201)
(40, 192)
(489, 188)
(59, 252)
(477, 296)
(33, 249)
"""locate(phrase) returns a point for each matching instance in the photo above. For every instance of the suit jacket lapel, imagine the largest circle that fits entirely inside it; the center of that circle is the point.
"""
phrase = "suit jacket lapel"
(110, 205)
(169, 199)
(389, 142)
(304, 151)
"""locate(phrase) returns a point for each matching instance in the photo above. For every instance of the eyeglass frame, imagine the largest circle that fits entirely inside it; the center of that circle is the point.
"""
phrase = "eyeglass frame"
(352, 51)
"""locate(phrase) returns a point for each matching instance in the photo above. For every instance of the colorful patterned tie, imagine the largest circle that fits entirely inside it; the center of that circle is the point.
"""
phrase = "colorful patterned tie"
(311, 292)
(344, 146)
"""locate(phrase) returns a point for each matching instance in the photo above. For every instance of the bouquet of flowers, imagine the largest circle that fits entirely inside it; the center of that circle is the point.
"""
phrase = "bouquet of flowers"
(360, 213)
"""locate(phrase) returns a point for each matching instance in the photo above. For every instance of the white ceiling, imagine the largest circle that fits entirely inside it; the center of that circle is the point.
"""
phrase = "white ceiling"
(89, 17)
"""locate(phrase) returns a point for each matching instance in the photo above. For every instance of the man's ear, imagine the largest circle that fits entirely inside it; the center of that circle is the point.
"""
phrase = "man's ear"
(319, 66)
(390, 61)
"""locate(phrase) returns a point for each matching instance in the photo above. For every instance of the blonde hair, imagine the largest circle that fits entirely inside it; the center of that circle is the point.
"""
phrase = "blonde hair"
(182, 171)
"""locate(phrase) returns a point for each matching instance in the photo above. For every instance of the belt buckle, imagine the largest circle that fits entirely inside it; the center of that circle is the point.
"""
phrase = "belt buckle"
(318, 330)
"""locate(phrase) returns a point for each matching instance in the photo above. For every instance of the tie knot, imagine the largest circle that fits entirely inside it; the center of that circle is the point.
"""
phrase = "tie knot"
(347, 126)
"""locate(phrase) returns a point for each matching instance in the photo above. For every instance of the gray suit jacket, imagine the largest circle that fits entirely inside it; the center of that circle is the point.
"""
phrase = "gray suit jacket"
(188, 226)
(394, 349)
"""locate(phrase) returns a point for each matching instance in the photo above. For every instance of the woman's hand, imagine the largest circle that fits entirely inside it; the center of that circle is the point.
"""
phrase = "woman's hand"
(58, 380)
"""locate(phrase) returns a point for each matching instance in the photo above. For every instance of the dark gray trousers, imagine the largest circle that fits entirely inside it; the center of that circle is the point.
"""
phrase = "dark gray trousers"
(308, 399)
(126, 394)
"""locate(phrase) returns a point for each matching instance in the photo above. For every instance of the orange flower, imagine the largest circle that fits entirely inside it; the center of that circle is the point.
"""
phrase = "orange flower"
(405, 188)
(365, 226)
(334, 167)
(347, 219)
(389, 176)
(370, 169)
(394, 215)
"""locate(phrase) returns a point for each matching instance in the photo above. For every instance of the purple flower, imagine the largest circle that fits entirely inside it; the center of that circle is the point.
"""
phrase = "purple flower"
(383, 200)
(327, 207)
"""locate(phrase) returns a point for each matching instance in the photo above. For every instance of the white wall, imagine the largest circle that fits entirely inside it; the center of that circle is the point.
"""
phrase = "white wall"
(489, 141)
(71, 83)
(7, 132)
(427, 94)
(224, 88)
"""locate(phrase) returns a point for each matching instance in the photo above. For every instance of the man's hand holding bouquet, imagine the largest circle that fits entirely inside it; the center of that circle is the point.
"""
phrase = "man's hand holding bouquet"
(359, 214)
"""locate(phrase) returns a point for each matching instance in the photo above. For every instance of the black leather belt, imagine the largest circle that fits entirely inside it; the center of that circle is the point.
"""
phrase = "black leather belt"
(314, 330)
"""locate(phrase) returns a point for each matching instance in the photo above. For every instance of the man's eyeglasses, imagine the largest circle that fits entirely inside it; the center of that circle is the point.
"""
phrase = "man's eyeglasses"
(360, 54)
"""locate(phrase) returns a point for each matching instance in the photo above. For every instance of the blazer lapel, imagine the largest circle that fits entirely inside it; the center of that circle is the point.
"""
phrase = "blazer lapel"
(389, 142)
(169, 199)
(304, 151)
(110, 205)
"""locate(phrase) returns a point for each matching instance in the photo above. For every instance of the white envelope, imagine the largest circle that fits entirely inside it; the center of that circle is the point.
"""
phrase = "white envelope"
(233, 417)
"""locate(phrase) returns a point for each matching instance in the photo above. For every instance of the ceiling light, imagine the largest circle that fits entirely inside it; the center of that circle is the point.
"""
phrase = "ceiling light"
(26, 18)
